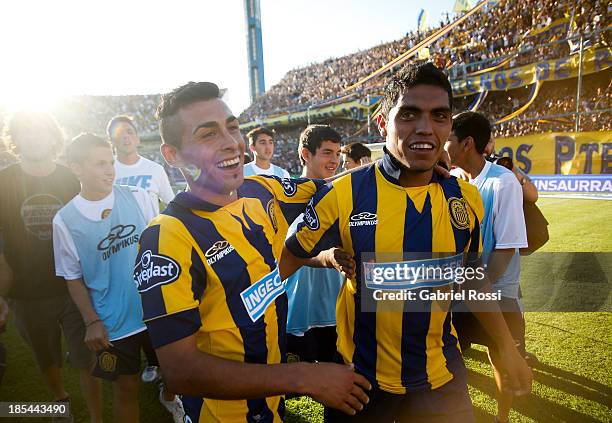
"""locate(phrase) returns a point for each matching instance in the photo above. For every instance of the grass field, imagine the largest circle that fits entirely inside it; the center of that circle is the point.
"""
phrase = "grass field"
(573, 383)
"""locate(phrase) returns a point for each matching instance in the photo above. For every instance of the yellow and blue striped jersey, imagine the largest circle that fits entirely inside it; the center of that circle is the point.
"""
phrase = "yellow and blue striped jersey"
(212, 271)
(369, 213)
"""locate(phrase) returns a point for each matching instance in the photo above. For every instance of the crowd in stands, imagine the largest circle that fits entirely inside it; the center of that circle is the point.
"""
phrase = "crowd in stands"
(507, 29)
(502, 30)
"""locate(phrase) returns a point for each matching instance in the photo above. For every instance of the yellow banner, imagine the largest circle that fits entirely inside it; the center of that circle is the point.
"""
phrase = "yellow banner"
(555, 31)
(551, 70)
(355, 110)
(567, 153)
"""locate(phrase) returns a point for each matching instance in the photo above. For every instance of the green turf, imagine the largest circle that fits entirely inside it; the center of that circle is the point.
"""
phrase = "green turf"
(573, 382)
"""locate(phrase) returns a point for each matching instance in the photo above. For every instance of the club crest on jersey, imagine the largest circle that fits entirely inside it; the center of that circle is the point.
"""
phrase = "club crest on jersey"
(219, 250)
(272, 214)
(363, 219)
(459, 215)
(153, 270)
(310, 217)
(257, 297)
(289, 186)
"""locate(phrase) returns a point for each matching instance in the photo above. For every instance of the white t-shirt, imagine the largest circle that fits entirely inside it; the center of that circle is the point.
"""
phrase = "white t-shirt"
(251, 169)
(508, 217)
(148, 175)
(66, 255)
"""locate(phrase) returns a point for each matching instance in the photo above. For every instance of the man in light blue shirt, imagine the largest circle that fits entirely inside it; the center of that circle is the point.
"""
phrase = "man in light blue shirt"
(312, 292)
(503, 234)
(261, 144)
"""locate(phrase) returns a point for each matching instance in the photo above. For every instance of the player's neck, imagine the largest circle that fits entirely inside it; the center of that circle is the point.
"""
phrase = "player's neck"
(474, 166)
(92, 194)
(128, 159)
(38, 168)
(216, 198)
(410, 178)
(262, 164)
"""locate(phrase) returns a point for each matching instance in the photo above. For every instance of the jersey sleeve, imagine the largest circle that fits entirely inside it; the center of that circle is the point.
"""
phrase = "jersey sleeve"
(66, 256)
(509, 219)
(170, 278)
(319, 230)
(292, 194)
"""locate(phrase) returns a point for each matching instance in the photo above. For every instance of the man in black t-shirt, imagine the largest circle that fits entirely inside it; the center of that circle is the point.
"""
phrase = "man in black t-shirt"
(32, 191)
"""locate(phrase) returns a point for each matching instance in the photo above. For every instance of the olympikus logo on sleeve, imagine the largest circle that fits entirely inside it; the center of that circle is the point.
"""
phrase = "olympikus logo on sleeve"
(219, 250)
(363, 219)
(153, 270)
(257, 297)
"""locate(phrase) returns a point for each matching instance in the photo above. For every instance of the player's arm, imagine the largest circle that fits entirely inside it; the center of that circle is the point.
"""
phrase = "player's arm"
(317, 236)
(6, 276)
(6, 273)
(67, 266)
(96, 336)
(487, 312)
(189, 371)
(171, 313)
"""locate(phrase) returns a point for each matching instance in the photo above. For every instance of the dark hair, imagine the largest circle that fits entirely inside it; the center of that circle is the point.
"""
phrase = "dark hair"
(312, 137)
(116, 120)
(23, 119)
(254, 133)
(475, 125)
(82, 144)
(170, 104)
(356, 151)
(411, 76)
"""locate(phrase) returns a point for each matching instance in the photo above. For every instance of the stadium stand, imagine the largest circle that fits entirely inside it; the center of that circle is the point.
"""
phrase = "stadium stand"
(508, 33)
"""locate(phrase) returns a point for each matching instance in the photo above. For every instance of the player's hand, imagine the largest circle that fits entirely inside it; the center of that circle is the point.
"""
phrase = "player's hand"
(4, 310)
(519, 376)
(337, 386)
(461, 174)
(340, 260)
(96, 337)
(443, 166)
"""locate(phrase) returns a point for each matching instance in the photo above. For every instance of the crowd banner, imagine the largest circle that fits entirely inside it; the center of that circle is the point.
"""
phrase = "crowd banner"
(354, 110)
(556, 30)
(560, 153)
(550, 70)
(601, 184)
(535, 89)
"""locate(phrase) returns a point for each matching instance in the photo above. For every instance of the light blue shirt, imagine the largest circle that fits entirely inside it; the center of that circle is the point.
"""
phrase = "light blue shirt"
(107, 252)
(503, 225)
(312, 295)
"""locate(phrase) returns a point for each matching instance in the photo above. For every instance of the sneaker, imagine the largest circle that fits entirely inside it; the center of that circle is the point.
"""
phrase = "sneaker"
(174, 407)
(150, 374)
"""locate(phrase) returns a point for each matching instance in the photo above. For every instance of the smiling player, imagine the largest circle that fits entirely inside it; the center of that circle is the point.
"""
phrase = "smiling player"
(217, 316)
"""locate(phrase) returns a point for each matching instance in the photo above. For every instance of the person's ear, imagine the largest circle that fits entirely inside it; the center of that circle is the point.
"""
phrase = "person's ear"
(468, 143)
(252, 148)
(381, 122)
(305, 153)
(172, 155)
(76, 168)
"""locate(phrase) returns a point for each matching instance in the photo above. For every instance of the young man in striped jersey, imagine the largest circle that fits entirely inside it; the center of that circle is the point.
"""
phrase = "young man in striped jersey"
(399, 212)
(207, 271)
